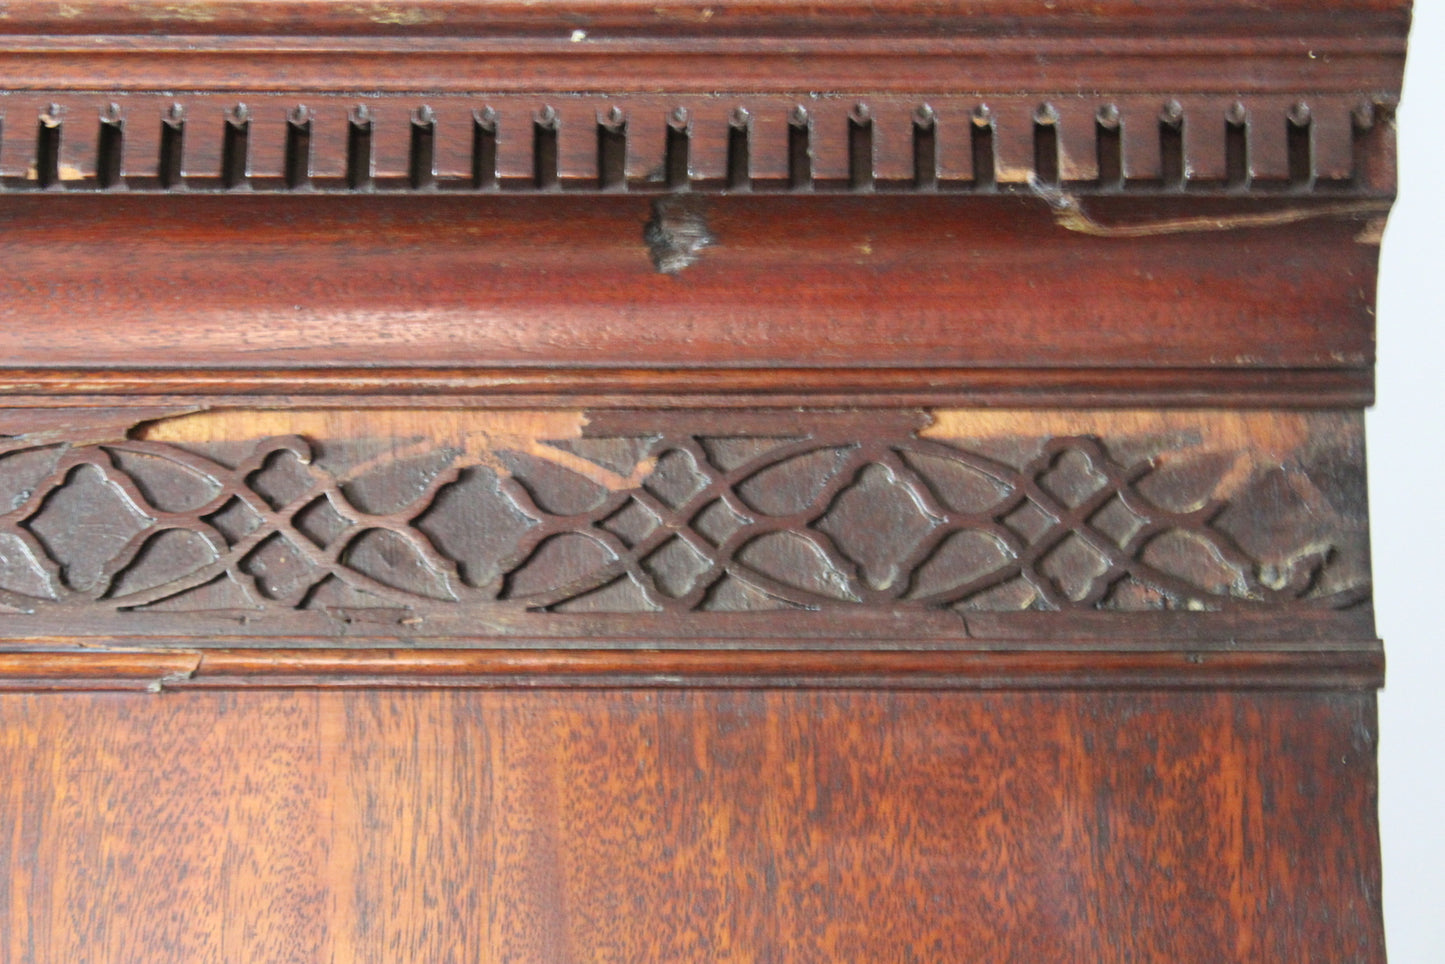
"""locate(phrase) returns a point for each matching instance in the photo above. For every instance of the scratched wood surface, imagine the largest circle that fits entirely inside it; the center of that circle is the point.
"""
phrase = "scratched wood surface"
(728, 827)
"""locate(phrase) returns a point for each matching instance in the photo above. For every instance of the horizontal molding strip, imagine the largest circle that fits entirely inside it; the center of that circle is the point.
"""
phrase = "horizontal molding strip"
(568, 58)
(686, 388)
(1357, 668)
(424, 18)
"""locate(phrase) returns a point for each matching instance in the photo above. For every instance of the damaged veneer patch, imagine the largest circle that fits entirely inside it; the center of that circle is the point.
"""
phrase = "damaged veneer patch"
(1247, 441)
(477, 436)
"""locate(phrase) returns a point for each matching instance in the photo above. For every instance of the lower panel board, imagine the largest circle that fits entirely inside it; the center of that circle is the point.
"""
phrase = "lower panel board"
(549, 827)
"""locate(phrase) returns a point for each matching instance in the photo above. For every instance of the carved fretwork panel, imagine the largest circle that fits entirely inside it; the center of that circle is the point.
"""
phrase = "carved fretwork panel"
(402, 522)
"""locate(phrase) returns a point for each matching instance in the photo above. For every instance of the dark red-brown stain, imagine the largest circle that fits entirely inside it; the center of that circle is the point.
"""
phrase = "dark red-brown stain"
(690, 482)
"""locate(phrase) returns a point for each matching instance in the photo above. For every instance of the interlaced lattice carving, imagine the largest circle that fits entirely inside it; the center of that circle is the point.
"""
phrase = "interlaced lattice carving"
(708, 523)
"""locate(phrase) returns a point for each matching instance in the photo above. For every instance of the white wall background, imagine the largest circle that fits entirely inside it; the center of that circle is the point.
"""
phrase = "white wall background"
(1406, 438)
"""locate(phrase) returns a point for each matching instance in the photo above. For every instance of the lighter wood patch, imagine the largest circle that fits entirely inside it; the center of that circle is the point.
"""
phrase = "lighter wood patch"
(1257, 440)
(478, 435)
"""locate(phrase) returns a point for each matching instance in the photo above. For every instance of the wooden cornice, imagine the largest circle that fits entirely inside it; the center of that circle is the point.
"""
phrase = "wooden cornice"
(761, 170)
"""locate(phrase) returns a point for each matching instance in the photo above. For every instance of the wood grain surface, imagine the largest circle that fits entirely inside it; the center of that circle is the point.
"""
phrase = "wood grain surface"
(725, 827)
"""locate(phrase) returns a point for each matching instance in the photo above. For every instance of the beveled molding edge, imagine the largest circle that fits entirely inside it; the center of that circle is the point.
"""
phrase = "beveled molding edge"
(1349, 666)
(682, 18)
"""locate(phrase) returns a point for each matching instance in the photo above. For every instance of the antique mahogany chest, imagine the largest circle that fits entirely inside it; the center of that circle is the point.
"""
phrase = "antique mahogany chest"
(490, 480)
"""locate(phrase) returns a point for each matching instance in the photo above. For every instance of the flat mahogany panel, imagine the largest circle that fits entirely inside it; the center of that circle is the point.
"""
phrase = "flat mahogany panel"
(551, 827)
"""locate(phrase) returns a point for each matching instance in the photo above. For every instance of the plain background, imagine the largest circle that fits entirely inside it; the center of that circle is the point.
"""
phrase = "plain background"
(1406, 438)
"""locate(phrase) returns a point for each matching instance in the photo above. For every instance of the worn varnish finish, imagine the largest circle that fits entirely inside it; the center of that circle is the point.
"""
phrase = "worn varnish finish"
(740, 826)
(689, 481)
